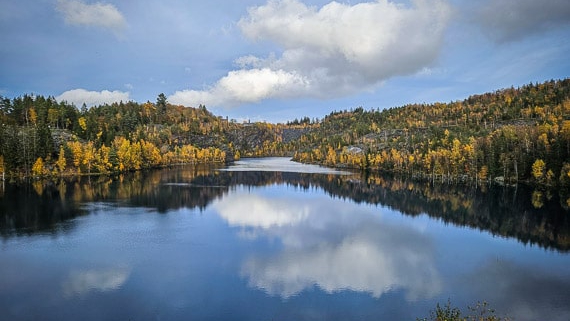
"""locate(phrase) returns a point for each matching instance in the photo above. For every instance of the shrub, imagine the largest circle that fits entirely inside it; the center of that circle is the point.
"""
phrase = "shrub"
(480, 312)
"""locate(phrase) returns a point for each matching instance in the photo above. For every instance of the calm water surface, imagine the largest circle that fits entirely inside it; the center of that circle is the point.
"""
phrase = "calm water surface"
(273, 240)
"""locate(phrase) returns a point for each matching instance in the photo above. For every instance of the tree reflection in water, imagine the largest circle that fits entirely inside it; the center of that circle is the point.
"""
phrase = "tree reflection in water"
(540, 218)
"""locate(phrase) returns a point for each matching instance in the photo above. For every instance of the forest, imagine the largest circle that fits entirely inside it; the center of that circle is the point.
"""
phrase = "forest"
(507, 136)
(43, 137)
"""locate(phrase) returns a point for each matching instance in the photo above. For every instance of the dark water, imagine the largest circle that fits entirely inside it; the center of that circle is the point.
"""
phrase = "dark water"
(252, 243)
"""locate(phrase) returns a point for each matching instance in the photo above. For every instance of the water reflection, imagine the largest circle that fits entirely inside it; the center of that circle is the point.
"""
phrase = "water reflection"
(530, 293)
(334, 245)
(190, 243)
(80, 282)
(510, 212)
(39, 207)
(280, 164)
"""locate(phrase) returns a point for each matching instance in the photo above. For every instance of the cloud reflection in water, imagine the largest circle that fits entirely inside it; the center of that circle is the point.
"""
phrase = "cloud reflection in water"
(82, 281)
(332, 244)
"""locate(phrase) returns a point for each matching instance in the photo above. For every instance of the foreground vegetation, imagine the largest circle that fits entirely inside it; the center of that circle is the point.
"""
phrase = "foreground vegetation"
(480, 312)
(510, 135)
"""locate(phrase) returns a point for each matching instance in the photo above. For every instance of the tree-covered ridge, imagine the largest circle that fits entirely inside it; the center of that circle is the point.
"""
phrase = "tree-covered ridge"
(40, 136)
(511, 134)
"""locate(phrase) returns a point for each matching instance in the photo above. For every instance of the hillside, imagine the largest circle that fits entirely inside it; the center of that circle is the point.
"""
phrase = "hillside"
(509, 135)
(513, 134)
(43, 137)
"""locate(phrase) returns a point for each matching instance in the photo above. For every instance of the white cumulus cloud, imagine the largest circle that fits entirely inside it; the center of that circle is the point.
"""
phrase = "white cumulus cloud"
(93, 98)
(99, 14)
(245, 86)
(331, 51)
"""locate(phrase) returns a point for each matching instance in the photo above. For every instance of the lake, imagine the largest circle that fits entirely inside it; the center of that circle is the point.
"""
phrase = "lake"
(269, 239)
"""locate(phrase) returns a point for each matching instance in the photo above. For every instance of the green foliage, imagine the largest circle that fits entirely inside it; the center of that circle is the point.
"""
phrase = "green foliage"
(161, 103)
(445, 313)
(480, 312)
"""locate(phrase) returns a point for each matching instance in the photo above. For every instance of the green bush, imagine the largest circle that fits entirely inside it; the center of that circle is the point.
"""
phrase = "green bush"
(480, 312)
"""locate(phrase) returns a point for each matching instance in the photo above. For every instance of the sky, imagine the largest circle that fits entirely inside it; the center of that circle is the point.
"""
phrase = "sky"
(277, 60)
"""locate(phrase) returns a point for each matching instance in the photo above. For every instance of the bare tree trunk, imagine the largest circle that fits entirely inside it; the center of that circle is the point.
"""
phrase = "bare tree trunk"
(516, 171)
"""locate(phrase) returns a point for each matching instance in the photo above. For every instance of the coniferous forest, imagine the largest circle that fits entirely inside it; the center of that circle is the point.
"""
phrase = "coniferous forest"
(507, 136)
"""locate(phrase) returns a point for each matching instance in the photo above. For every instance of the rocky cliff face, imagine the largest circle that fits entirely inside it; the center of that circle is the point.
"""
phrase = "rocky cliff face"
(251, 136)
(291, 134)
